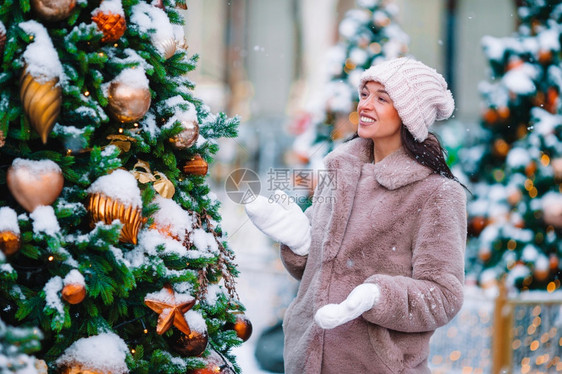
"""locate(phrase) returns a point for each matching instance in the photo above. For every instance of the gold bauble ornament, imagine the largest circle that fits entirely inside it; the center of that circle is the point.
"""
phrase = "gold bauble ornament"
(556, 164)
(553, 262)
(128, 103)
(181, 4)
(74, 293)
(105, 209)
(484, 254)
(544, 56)
(112, 26)
(187, 137)
(196, 166)
(41, 367)
(476, 225)
(504, 112)
(53, 10)
(514, 196)
(552, 100)
(541, 274)
(32, 188)
(190, 345)
(501, 148)
(531, 168)
(79, 369)
(9, 242)
(491, 116)
(167, 47)
(552, 212)
(242, 326)
(41, 103)
(214, 364)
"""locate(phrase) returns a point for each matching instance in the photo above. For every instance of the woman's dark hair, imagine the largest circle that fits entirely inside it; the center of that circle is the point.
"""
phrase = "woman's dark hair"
(429, 153)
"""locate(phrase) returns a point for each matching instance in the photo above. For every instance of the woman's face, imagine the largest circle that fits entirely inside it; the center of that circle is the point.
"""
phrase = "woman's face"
(378, 119)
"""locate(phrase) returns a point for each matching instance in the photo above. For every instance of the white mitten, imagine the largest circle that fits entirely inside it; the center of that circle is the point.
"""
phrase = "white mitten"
(361, 299)
(282, 220)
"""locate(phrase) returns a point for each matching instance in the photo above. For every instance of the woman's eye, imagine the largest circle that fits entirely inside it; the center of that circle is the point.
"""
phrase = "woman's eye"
(383, 99)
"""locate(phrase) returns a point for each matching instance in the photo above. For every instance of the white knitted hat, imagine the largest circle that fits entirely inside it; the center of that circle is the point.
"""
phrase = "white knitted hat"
(419, 93)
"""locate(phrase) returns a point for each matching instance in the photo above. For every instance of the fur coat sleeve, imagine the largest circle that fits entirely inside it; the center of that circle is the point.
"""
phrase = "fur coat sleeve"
(433, 295)
(294, 263)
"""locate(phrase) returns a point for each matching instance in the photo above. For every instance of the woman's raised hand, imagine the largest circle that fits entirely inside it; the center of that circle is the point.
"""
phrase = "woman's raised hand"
(282, 220)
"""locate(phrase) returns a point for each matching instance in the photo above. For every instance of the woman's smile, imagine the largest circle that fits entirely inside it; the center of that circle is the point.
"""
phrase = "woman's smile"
(366, 121)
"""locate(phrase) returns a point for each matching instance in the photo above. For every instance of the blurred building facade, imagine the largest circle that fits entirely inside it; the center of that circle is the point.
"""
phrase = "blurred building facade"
(262, 59)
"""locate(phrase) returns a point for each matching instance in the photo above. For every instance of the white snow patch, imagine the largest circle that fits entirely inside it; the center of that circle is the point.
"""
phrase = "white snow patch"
(104, 353)
(204, 241)
(133, 77)
(9, 220)
(40, 56)
(45, 221)
(195, 321)
(110, 6)
(74, 277)
(119, 185)
(173, 217)
(52, 289)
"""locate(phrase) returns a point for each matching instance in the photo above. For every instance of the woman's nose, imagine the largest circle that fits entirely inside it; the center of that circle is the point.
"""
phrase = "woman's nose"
(365, 104)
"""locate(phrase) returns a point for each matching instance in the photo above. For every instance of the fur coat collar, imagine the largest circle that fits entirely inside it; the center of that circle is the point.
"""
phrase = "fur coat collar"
(396, 170)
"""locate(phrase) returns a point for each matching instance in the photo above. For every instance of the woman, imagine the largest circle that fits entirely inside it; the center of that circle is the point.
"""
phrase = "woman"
(380, 256)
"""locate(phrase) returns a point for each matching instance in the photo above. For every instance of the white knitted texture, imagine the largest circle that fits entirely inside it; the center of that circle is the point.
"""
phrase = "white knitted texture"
(419, 93)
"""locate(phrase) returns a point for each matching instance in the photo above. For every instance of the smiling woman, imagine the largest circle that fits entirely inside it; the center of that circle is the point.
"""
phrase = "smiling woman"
(380, 257)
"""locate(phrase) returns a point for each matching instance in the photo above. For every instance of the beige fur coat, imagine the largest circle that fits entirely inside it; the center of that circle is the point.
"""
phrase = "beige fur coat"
(396, 224)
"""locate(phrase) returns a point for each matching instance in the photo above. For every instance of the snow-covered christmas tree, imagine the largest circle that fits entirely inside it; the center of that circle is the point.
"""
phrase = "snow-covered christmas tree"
(110, 234)
(16, 345)
(367, 33)
(515, 222)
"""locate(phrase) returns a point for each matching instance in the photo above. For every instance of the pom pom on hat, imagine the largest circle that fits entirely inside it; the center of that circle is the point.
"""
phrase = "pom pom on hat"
(419, 93)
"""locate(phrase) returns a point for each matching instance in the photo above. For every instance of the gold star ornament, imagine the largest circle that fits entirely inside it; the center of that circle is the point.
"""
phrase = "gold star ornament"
(171, 309)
